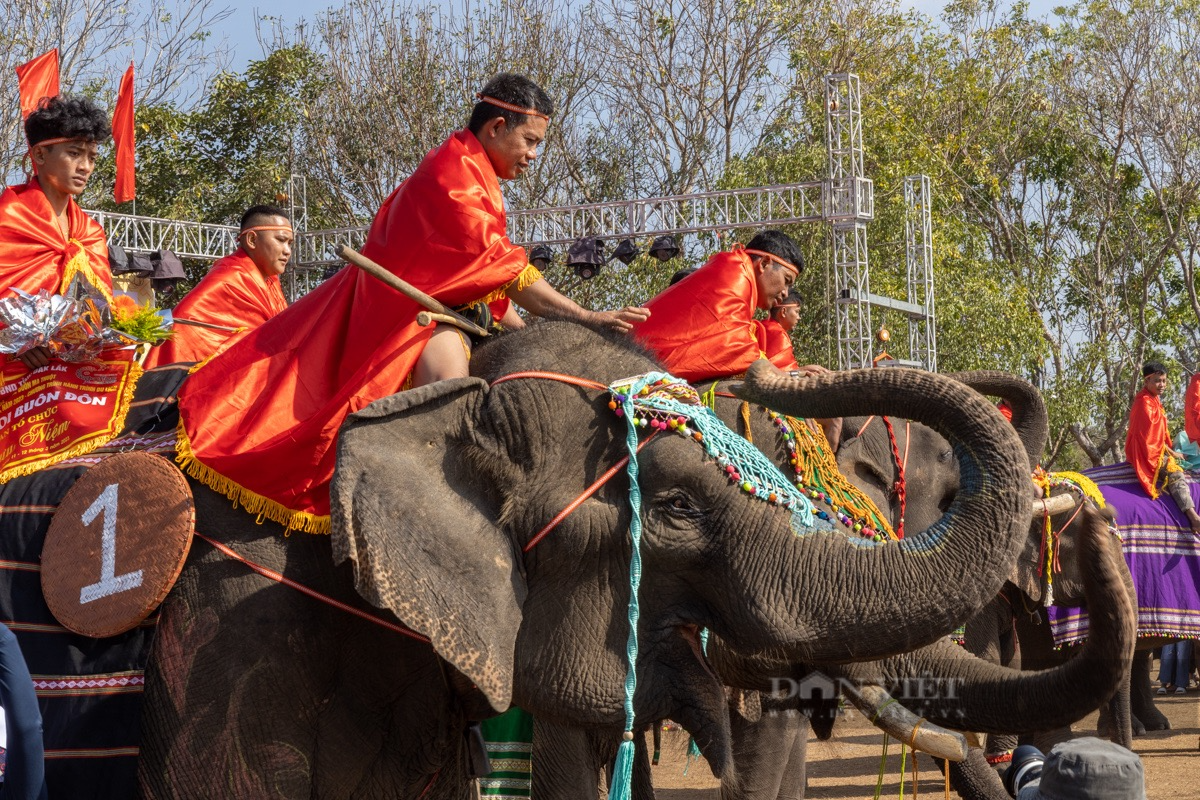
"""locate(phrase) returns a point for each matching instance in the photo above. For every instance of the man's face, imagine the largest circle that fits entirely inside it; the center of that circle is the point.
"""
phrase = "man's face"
(65, 167)
(512, 149)
(787, 316)
(1154, 384)
(774, 282)
(269, 250)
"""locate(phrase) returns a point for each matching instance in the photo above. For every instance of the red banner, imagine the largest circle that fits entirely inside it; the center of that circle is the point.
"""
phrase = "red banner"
(123, 138)
(37, 79)
(63, 410)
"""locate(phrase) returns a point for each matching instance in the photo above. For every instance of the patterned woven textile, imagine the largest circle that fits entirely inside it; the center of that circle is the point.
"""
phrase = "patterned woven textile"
(509, 739)
(90, 690)
(1163, 557)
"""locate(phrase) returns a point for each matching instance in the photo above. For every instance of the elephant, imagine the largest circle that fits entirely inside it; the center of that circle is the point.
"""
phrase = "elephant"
(256, 689)
(769, 743)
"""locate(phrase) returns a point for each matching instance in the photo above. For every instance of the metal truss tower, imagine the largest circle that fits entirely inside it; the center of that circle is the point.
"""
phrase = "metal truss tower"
(918, 256)
(851, 205)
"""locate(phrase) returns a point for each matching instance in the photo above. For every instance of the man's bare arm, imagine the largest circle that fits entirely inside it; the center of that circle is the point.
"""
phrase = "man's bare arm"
(542, 299)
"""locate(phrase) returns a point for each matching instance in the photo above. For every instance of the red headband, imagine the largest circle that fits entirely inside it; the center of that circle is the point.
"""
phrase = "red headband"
(532, 112)
(48, 143)
(265, 228)
(789, 266)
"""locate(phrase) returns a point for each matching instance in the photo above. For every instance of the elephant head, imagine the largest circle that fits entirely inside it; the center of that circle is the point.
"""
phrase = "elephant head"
(438, 492)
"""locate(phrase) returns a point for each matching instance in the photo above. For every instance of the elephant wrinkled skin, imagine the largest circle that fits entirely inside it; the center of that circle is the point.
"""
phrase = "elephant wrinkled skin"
(256, 690)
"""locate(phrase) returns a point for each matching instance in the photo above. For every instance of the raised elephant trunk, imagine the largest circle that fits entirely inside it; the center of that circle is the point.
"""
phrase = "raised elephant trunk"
(993, 699)
(962, 559)
(1029, 416)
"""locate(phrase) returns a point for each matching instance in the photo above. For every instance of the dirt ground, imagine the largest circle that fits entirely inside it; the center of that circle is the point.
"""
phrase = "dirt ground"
(847, 766)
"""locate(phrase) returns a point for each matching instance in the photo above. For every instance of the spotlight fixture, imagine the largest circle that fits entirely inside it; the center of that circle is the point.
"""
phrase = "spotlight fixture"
(586, 257)
(541, 256)
(664, 248)
(626, 251)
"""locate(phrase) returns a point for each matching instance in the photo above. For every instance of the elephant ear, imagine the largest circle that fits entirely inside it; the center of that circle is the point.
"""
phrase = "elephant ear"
(417, 523)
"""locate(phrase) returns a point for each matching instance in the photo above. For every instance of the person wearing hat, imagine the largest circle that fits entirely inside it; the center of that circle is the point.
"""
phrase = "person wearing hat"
(45, 237)
(777, 332)
(1148, 445)
(703, 327)
(1080, 769)
(260, 420)
(239, 293)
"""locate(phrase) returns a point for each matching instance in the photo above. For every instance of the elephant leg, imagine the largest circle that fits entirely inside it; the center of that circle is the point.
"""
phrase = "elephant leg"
(567, 762)
(1141, 698)
(768, 757)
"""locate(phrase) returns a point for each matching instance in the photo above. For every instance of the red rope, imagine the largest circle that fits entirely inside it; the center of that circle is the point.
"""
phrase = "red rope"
(901, 463)
(278, 578)
(588, 492)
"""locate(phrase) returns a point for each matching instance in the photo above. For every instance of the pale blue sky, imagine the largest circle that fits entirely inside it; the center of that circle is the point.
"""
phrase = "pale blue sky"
(239, 28)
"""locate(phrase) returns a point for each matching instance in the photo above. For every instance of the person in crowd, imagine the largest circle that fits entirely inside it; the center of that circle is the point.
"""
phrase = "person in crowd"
(45, 237)
(777, 332)
(1175, 667)
(1080, 769)
(239, 293)
(25, 768)
(1148, 445)
(259, 421)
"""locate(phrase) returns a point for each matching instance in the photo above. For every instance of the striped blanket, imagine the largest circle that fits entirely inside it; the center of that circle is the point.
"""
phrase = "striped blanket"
(1163, 557)
(90, 690)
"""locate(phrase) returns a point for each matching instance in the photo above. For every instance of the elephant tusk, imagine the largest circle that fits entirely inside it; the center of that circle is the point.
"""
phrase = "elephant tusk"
(1052, 506)
(898, 722)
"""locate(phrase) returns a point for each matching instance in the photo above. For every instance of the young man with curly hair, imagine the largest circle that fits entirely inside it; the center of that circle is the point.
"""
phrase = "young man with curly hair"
(45, 237)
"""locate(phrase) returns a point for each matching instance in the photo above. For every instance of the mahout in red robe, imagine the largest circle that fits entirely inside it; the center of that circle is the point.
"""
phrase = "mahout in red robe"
(234, 294)
(703, 327)
(259, 421)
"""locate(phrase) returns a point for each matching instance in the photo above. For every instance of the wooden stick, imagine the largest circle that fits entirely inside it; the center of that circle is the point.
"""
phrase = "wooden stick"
(426, 318)
(408, 290)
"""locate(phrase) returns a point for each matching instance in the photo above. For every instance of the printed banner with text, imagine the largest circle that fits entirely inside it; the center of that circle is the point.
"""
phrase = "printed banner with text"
(63, 410)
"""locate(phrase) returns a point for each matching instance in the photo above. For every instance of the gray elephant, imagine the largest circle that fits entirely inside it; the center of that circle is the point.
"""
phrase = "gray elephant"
(256, 690)
(769, 738)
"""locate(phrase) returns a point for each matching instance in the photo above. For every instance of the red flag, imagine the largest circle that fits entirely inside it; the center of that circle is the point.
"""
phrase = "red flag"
(37, 79)
(122, 127)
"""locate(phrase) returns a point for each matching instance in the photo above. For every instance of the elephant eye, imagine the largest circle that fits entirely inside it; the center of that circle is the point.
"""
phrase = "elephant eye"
(680, 504)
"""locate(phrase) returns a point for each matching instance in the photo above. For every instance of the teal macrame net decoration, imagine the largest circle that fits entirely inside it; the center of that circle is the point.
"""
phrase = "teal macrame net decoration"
(659, 401)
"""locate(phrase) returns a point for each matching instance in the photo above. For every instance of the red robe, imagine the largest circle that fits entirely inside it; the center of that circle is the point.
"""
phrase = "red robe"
(1148, 437)
(34, 253)
(1191, 409)
(703, 327)
(778, 346)
(234, 294)
(259, 421)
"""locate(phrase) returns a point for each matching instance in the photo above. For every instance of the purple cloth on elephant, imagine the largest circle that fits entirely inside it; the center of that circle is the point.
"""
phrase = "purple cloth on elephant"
(1163, 557)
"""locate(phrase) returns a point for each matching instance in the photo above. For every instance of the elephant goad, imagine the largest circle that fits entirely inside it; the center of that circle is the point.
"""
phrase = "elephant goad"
(256, 690)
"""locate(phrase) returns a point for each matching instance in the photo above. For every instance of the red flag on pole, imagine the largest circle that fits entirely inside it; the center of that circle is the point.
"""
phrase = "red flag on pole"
(122, 127)
(37, 79)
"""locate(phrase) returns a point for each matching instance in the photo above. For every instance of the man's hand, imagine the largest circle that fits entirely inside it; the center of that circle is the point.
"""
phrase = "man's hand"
(37, 357)
(812, 370)
(622, 319)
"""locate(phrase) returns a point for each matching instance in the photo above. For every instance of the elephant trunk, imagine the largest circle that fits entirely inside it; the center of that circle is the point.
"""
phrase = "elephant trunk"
(960, 561)
(980, 696)
(1029, 416)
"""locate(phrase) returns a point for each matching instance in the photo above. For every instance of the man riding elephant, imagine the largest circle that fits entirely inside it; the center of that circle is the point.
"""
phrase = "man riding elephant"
(259, 422)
